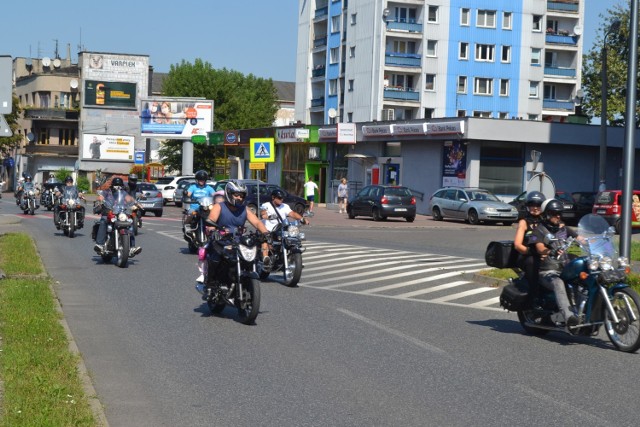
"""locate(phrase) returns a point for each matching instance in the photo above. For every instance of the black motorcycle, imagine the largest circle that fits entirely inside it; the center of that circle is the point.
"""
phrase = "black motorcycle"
(47, 198)
(230, 277)
(195, 232)
(285, 252)
(71, 214)
(119, 220)
(28, 202)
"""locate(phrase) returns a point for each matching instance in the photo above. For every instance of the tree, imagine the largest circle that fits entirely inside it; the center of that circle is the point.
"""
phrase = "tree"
(8, 142)
(617, 68)
(240, 102)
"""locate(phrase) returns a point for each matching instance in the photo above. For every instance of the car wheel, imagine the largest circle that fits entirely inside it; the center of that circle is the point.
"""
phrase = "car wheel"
(437, 215)
(507, 223)
(376, 214)
(472, 217)
(164, 202)
(410, 218)
(299, 208)
(179, 204)
(158, 213)
(350, 213)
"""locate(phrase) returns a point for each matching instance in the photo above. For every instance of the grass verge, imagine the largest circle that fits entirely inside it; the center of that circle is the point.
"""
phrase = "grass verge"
(39, 382)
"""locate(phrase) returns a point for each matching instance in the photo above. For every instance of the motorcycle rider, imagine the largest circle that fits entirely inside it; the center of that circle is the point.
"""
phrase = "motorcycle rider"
(268, 211)
(528, 261)
(196, 191)
(73, 191)
(25, 184)
(551, 259)
(101, 235)
(133, 184)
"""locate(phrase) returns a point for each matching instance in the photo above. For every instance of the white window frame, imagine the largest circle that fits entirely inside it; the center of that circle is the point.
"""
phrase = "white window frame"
(506, 49)
(352, 52)
(485, 52)
(333, 87)
(504, 87)
(552, 92)
(536, 56)
(462, 84)
(482, 17)
(534, 90)
(430, 78)
(461, 113)
(463, 51)
(335, 24)
(465, 17)
(351, 83)
(483, 86)
(536, 23)
(334, 55)
(507, 18)
(503, 115)
(483, 114)
(353, 18)
(436, 12)
(532, 117)
(432, 48)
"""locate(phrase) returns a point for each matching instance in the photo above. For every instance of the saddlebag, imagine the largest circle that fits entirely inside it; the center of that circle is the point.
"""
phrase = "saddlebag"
(501, 254)
(514, 297)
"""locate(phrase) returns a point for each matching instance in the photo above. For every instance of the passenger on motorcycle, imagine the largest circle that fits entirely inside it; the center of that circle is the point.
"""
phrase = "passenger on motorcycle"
(276, 206)
(68, 183)
(551, 260)
(133, 184)
(196, 191)
(528, 261)
(101, 235)
(27, 184)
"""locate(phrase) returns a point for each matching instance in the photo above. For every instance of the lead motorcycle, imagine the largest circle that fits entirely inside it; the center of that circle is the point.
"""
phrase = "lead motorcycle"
(47, 198)
(71, 212)
(230, 276)
(28, 202)
(118, 211)
(195, 233)
(597, 288)
(285, 251)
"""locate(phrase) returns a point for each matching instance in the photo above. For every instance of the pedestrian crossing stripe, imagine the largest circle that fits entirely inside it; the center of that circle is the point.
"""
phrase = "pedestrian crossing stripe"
(262, 149)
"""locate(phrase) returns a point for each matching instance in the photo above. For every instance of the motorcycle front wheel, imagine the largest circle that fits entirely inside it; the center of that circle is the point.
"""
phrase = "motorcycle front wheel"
(530, 316)
(123, 250)
(72, 225)
(292, 277)
(625, 335)
(135, 225)
(249, 306)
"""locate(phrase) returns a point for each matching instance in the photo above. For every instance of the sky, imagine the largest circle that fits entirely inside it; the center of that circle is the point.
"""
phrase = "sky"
(249, 36)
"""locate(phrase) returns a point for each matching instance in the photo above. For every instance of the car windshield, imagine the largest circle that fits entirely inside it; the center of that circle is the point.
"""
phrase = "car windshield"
(165, 180)
(564, 197)
(147, 187)
(483, 195)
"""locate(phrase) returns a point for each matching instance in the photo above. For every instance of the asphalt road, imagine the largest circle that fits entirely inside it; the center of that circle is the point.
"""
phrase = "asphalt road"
(319, 356)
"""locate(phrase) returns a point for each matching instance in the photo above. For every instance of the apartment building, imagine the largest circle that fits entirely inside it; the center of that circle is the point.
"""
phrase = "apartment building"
(365, 60)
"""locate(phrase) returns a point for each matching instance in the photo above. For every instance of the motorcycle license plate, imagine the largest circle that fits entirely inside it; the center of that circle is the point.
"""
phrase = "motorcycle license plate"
(400, 209)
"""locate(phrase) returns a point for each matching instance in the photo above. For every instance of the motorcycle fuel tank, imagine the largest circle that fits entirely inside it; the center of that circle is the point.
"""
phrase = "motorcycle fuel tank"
(574, 268)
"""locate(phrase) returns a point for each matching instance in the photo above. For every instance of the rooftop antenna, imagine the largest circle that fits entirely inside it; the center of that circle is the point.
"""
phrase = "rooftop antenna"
(56, 52)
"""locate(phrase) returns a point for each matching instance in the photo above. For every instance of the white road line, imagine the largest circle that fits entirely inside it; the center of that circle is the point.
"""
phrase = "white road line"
(341, 262)
(168, 234)
(487, 302)
(463, 294)
(377, 264)
(423, 291)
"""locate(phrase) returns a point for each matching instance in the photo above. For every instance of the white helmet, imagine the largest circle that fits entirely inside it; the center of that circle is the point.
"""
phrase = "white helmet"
(232, 188)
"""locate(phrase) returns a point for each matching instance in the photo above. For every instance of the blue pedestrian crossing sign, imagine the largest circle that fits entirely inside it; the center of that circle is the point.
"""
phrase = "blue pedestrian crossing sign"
(262, 150)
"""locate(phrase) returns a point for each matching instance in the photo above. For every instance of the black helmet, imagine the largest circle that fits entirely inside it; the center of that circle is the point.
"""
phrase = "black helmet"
(535, 198)
(277, 193)
(552, 207)
(117, 182)
(133, 178)
(202, 175)
(27, 177)
(233, 187)
(68, 179)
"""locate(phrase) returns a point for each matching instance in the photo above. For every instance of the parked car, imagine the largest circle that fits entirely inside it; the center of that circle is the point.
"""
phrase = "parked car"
(608, 204)
(569, 208)
(152, 201)
(383, 201)
(179, 193)
(475, 205)
(167, 185)
(584, 201)
(296, 203)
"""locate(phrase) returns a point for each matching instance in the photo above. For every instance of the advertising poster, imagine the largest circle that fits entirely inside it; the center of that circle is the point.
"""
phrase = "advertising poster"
(454, 169)
(108, 147)
(109, 94)
(175, 119)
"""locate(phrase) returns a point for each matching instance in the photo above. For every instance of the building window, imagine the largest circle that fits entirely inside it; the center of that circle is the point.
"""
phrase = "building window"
(462, 113)
(428, 113)
(335, 24)
(350, 87)
(549, 92)
(404, 46)
(486, 19)
(353, 18)
(333, 86)
(464, 16)
(506, 20)
(432, 47)
(503, 115)
(462, 84)
(485, 114)
(533, 89)
(352, 52)
(533, 117)
(334, 55)
(404, 14)
(430, 82)
(504, 87)
(44, 99)
(506, 54)
(432, 15)
(464, 51)
(483, 86)
(552, 26)
(349, 117)
(501, 167)
(535, 56)
(484, 52)
(537, 22)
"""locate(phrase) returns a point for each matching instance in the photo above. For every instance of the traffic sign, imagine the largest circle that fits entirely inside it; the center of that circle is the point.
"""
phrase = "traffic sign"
(199, 139)
(139, 157)
(257, 166)
(262, 150)
(5, 130)
(215, 138)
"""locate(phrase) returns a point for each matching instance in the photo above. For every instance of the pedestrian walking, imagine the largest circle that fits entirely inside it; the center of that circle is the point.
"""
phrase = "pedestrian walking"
(343, 194)
(310, 191)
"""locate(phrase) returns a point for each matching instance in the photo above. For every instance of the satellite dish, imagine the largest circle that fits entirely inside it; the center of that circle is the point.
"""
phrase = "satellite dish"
(74, 84)
(31, 137)
(332, 112)
(542, 183)
(56, 63)
(577, 30)
(46, 61)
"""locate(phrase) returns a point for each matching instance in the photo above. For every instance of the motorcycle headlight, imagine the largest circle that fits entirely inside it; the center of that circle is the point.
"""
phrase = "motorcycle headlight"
(31, 193)
(606, 263)
(71, 202)
(623, 262)
(292, 231)
(122, 216)
(248, 253)
(594, 263)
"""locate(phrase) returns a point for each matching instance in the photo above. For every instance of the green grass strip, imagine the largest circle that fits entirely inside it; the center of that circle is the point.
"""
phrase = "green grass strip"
(18, 255)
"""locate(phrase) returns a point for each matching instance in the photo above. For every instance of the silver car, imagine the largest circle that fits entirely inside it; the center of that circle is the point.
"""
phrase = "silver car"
(474, 205)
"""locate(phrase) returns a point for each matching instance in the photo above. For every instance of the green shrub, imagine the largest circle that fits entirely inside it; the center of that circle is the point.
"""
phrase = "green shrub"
(83, 184)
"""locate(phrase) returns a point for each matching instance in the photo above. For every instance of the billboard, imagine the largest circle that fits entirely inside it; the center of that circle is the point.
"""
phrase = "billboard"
(109, 94)
(108, 147)
(176, 119)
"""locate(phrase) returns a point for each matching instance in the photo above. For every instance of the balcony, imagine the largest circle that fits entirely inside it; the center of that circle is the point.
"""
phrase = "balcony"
(551, 104)
(320, 41)
(317, 102)
(403, 25)
(561, 39)
(322, 12)
(51, 114)
(318, 72)
(401, 94)
(560, 72)
(43, 149)
(402, 59)
(563, 6)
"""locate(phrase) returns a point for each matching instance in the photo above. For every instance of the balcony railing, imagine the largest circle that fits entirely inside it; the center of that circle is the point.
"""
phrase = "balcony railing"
(320, 41)
(318, 72)
(51, 114)
(322, 12)
(562, 6)
(560, 39)
(411, 27)
(550, 104)
(402, 94)
(402, 59)
(317, 102)
(561, 72)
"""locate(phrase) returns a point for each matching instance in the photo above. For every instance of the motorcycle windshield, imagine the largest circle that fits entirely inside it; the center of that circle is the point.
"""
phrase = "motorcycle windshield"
(598, 235)
(69, 193)
(205, 201)
(29, 186)
(117, 201)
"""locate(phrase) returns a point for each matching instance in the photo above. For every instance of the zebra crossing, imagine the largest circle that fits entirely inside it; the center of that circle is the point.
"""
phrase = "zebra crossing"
(396, 274)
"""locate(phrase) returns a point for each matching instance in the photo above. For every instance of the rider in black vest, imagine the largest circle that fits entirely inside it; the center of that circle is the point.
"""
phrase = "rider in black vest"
(528, 260)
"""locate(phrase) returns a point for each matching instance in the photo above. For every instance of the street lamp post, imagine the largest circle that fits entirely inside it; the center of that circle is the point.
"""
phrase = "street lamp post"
(615, 26)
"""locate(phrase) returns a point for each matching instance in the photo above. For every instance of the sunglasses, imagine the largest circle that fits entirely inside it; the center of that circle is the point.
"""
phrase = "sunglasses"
(241, 195)
(534, 205)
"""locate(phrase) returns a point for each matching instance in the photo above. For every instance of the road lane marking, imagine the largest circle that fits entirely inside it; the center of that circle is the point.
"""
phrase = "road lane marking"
(463, 294)
(423, 291)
